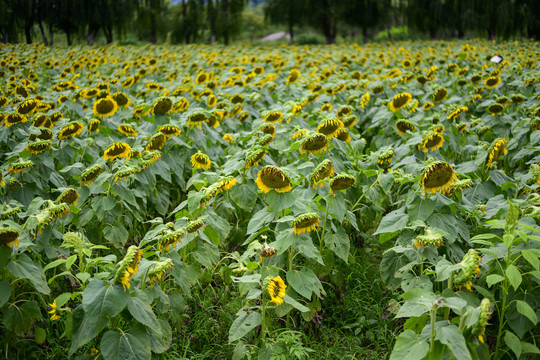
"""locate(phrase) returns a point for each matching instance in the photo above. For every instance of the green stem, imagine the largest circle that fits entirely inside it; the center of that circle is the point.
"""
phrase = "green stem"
(263, 324)
(450, 286)
(432, 342)
(501, 317)
(321, 245)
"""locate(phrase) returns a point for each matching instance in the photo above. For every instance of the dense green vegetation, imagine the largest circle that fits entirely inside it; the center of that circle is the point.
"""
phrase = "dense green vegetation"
(207, 201)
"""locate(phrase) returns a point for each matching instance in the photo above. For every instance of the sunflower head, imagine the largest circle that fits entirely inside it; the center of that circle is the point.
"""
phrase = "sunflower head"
(349, 121)
(492, 82)
(329, 127)
(440, 94)
(438, 176)
(400, 101)
(314, 144)
(38, 146)
(495, 108)
(273, 178)
(201, 161)
(68, 196)
(306, 223)
(225, 183)
(105, 107)
(170, 130)
(127, 129)
(385, 155)
(9, 236)
(496, 150)
(19, 166)
(118, 149)
(276, 289)
(121, 98)
(254, 157)
(431, 141)
(343, 135)
(156, 142)
(456, 111)
(162, 105)
(273, 117)
(341, 182)
(194, 226)
(322, 172)
(403, 125)
(27, 106)
(90, 174)
(14, 118)
(197, 118)
(429, 238)
(517, 99)
(470, 268)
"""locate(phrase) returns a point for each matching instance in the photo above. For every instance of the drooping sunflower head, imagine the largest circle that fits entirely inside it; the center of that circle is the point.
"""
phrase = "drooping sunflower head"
(431, 141)
(385, 155)
(268, 129)
(456, 111)
(440, 94)
(19, 166)
(254, 157)
(534, 170)
(403, 125)
(429, 238)
(197, 118)
(341, 182)
(14, 118)
(349, 121)
(128, 267)
(225, 183)
(27, 106)
(41, 120)
(128, 130)
(492, 82)
(300, 133)
(38, 146)
(71, 129)
(496, 150)
(125, 172)
(479, 328)
(326, 107)
(68, 196)
(495, 108)
(9, 236)
(503, 100)
(201, 161)
(438, 176)
(427, 106)
(459, 186)
(314, 144)
(194, 225)
(343, 135)
(265, 140)
(306, 222)
(462, 127)
(162, 105)
(276, 289)
(121, 99)
(90, 174)
(399, 101)
(293, 76)
(322, 172)
(517, 99)
(470, 268)
(170, 130)
(273, 117)
(273, 178)
(118, 149)
(105, 107)
(329, 127)
(94, 125)
(156, 142)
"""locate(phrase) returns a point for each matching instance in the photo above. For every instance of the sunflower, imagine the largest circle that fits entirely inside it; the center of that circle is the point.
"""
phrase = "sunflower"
(71, 129)
(329, 127)
(403, 126)
(470, 268)
(127, 130)
(314, 144)
(293, 76)
(90, 174)
(503, 100)
(3, 101)
(268, 129)
(128, 267)
(495, 108)
(228, 138)
(226, 183)
(326, 107)
(200, 161)
(201, 78)
(162, 106)
(116, 150)
(431, 141)
(94, 125)
(276, 289)
(343, 135)
(322, 172)
(350, 121)
(41, 120)
(440, 94)
(535, 124)
(128, 82)
(341, 182)
(459, 186)
(492, 82)
(306, 223)
(170, 130)
(121, 99)
(14, 118)
(456, 112)
(479, 328)
(170, 238)
(27, 106)
(19, 166)
(273, 117)
(194, 225)
(497, 148)
(429, 239)
(156, 142)
(181, 105)
(517, 99)
(9, 236)
(400, 101)
(254, 157)
(197, 118)
(273, 178)
(39, 146)
(105, 107)
(125, 171)
(438, 176)
(68, 196)
(385, 155)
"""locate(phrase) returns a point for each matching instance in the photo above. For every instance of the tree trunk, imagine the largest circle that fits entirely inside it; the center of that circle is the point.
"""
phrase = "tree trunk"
(291, 32)
(42, 32)
(51, 35)
(492, 32)
(68, 36)
(107, 30)
(225, 10)
(460, 34)
(433, 34)
(28, 33)
(365, 35)
(153, 25)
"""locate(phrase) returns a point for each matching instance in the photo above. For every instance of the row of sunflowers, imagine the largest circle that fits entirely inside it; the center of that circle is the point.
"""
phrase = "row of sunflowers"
(133, 176)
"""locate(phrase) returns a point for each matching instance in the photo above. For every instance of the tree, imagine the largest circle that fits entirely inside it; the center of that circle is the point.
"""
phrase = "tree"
(289, 13)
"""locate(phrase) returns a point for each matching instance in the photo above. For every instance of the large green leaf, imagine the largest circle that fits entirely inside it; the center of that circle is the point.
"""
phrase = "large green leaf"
(116, 234)
(339, 243)
(20, 317)
(453, 338)
(25, 268)
(261, 218)
(393, 222)
(160, 337)
(131, 345)
(421, 208)
(5, 292)
(83, 332)
(101, 301)
(304, 282)
(244, 195)
(243, 324)
(142, 312)
(409, 346)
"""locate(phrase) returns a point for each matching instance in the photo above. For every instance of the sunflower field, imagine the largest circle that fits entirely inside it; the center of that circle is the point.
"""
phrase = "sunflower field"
(145, 188)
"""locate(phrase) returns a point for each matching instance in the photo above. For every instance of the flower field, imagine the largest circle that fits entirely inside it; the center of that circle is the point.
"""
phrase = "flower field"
(143, 187)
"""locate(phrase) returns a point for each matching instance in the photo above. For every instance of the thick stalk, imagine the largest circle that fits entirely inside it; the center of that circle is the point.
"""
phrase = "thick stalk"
(450, 286)
(432, 341)
(321, 245)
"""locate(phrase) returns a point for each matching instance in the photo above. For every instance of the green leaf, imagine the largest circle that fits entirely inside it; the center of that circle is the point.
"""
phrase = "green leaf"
(531, 255)
(336, 206)
(280, 201)
(243, 324)
(339, 243)
(116, 234)
(513, 342)
(526, 310)
(453, 338)
(101, 301)
(83, 332)
(289, 300)
(20, 319)
(421, 209)
(142, 312)
(5, 292)
(40, 335)
(160, 337)
(445, 268)
(528, 348)
(244, 195)
(420, 297)
(514, 276)
(409, 346)
(25, 268)
(411, 310)
(132, 345)
(54, 264)
(260, 218)
(392, 222)
(493, 279)
(304, 282)
(284, 240)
